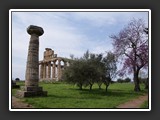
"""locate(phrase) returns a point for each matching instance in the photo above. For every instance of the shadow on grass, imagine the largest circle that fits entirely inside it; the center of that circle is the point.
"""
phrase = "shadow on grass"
(74, 97)
(60, 96)
(97, 94)
(112, 93)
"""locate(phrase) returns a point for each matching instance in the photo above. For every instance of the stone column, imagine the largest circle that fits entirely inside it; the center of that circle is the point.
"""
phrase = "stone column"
(44, 71)
(53, 70)
(32, 68)
(59, 69)
(49, 70)
(41, 70)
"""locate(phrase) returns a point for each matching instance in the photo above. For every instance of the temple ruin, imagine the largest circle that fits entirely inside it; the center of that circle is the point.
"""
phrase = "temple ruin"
(52, 66)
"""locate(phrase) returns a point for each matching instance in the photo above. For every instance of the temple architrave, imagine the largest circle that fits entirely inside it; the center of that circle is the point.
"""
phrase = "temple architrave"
(52, 66)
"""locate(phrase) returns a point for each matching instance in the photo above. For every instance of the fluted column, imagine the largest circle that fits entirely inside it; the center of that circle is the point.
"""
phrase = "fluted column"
(32, 69)
(59, 69)
(49, 70)
(44, 71)
(53, 70)
(41, 70)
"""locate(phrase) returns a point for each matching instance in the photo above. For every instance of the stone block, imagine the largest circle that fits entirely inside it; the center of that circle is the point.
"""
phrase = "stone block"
(32, 88)
(22, 94)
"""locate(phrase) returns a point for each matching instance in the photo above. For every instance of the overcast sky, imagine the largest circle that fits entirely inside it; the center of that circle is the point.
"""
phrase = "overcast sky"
(66, 33)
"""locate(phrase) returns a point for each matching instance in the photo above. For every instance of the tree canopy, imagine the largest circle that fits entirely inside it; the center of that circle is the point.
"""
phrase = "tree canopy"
(90, 69)
(131, 43)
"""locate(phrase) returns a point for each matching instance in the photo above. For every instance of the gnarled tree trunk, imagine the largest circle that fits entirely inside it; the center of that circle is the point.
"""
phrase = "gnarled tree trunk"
(136, 81)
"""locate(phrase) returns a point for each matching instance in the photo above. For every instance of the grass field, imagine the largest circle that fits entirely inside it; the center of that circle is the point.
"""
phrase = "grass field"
(144, 105)
(61, 95)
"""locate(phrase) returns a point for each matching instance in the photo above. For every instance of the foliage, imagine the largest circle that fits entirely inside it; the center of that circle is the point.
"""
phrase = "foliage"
(119, 80)
(131, 43)
(75, 73)
(17, 79)
(144, 81)
(90, 69)
(110, 62)
(84, 71)
(126, 80)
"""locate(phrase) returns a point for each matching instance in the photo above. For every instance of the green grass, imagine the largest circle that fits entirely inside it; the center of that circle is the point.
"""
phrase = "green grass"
(145, 104)
(61, 95)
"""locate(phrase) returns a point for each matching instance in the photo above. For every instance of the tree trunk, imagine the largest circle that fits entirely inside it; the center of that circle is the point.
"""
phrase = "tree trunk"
(99, 85)
(136, 81)
(90, 86)
(80, 86)
(107, 88)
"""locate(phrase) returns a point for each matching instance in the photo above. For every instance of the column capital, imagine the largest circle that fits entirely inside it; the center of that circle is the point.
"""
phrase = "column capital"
(32, 29)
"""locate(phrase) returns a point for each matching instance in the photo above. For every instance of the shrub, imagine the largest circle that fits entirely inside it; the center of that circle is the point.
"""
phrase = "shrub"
(17, 79)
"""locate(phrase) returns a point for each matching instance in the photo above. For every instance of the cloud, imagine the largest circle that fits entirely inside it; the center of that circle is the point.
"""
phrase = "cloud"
(95, 18)
(100, 19)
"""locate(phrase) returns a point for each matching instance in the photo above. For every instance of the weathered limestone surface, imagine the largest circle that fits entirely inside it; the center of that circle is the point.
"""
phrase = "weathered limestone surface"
(49, 70)
(44, 72)
(48, 54)
(53, 70)
(52, 67)
(59, 69)
(32, 69)
(41, 71)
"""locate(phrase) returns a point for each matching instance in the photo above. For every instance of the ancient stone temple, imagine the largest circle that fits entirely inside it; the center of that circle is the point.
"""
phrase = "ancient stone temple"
(31, 87)
(52, 66)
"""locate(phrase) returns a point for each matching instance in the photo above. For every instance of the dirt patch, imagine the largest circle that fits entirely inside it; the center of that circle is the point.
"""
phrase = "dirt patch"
(17, 103)
(135, 103)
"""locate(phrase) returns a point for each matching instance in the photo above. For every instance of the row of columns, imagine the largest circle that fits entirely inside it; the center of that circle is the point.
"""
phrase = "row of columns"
(45, 70)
